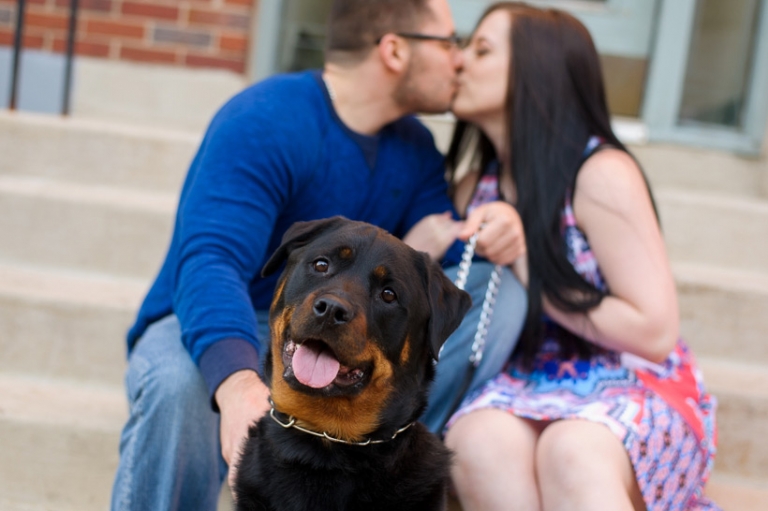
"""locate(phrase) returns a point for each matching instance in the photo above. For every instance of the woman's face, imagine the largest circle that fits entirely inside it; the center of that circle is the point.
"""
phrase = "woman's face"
(484, 76)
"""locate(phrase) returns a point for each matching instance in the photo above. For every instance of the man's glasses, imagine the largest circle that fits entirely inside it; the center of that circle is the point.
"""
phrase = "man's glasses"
(452, 41)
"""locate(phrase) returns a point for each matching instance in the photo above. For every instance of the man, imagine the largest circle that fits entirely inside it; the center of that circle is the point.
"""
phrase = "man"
(293, 147)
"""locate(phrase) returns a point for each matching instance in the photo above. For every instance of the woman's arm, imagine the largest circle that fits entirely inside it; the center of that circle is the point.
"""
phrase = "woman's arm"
(613, 208)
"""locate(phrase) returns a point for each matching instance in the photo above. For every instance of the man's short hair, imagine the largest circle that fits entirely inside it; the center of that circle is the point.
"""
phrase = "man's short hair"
(356, 25)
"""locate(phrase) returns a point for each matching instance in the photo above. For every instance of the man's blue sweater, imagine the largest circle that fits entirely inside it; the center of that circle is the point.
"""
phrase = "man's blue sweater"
(275, 154)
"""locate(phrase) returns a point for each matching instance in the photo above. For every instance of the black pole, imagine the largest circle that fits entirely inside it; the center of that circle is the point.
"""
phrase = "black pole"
(17, 41)
(70, 53)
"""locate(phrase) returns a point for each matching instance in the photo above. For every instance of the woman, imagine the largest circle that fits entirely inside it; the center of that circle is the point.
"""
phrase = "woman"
(600, 406)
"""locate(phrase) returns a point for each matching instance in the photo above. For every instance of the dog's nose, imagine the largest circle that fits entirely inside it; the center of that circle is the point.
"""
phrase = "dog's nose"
(332, 310)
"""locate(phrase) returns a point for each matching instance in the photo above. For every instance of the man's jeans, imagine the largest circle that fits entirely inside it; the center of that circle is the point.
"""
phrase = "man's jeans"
(170, 455)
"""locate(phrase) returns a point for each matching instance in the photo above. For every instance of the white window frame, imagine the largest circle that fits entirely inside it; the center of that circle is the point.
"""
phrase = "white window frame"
(266, 43)
(664, 89)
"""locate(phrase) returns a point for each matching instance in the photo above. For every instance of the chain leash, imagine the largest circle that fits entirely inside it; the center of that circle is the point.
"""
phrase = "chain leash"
(489, 302)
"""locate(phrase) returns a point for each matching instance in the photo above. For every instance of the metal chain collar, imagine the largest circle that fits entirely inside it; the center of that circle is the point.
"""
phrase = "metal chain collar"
(292, 424)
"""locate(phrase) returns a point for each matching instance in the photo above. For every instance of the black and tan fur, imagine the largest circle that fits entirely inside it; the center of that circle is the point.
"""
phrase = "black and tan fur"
(390, 344)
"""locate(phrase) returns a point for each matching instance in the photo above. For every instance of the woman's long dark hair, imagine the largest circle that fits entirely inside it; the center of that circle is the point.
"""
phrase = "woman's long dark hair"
(555, 103)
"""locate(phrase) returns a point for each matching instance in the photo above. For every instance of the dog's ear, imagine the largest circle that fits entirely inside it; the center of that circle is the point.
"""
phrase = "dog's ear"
(448, 304)
(298, 235)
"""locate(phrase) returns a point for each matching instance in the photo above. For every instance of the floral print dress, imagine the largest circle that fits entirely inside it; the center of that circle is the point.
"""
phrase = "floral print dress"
(660, 412)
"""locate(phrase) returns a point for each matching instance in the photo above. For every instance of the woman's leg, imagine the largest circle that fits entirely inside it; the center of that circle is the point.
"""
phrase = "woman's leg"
(582, 465)
(493, 466)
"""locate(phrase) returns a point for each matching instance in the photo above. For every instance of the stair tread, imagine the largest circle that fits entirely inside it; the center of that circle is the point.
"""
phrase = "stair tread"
(32, 505)
(48, 284)
(100, 126)
(727, 278)
(80, 193)
(737, 493)
(714, 199)
(62, 403)
(732, 377)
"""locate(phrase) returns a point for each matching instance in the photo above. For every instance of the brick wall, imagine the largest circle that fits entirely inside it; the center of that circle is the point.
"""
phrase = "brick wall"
(196, 33)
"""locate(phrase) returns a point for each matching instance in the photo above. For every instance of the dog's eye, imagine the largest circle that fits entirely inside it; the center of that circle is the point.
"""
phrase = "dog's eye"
(388, 295)
(320, 265)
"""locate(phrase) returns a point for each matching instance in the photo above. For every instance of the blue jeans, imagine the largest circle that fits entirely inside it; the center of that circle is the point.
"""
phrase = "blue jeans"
(170, 453)
(506, 323)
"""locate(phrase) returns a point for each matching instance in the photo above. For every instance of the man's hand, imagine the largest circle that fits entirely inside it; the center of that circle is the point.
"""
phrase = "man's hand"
(501, 239)
(434, 234)
(243, 399)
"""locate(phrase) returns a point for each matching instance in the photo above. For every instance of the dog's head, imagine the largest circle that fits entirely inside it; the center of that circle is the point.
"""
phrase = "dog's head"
(356, 321)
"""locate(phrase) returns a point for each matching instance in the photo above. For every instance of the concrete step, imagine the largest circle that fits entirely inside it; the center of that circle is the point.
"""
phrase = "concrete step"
(730, 493)
(126, 230)
(56, 324)
(695, 169)
(92, 228)
(738, 493)
(95, 152)
(715, 229)
(723, 312)
(742, 416)
(59, 444)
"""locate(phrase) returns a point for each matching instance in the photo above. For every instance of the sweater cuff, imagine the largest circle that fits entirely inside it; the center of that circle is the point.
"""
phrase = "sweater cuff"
(223, 358)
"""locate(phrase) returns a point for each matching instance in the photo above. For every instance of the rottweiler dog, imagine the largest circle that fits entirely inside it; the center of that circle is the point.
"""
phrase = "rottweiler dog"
(357, 320)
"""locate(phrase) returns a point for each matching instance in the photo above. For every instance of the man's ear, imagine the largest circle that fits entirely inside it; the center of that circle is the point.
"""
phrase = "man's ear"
(447, 303)
(395, 53)
(298, 235)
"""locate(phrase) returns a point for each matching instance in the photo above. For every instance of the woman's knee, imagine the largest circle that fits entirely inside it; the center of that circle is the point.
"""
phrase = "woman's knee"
(578, 455)
(489, 438)
(493, 463)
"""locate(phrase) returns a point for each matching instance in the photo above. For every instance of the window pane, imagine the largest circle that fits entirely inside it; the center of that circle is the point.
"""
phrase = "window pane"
(302, 35)
(719, 62)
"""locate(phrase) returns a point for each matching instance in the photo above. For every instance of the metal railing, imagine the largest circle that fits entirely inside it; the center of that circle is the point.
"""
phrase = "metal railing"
(18, 43)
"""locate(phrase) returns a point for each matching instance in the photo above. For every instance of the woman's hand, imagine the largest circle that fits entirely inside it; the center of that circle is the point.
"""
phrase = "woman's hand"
(434, 234)
(501, 237)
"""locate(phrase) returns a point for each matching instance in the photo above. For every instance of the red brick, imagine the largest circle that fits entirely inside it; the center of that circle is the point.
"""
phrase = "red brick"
(90, 49)
(88, 5)
(145, 55)
(164, 12)
(29, 40)
(237, 65)
(233, 43)
(57, 21)
(220, 19)
(247, 3)
(114, 28)
(36, 41)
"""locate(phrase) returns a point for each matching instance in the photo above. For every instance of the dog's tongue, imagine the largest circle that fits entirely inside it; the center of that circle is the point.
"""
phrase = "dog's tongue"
(314, 365)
